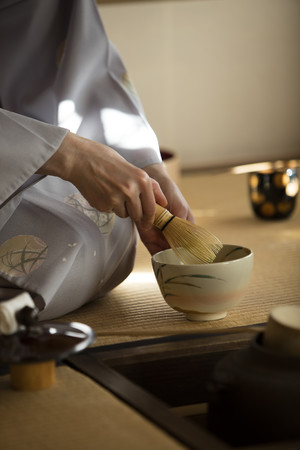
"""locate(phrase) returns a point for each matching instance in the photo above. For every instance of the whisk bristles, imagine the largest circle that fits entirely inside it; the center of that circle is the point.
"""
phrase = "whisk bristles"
(191, 243)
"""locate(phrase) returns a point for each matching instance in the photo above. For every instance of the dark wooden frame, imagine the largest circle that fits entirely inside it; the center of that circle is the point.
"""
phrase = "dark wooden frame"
(156, 376)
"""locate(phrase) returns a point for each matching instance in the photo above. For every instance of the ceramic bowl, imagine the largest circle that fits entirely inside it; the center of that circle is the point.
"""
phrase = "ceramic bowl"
(204, 291)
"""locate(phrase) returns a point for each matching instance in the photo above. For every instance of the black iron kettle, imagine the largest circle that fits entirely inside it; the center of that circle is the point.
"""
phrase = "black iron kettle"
(254, 394)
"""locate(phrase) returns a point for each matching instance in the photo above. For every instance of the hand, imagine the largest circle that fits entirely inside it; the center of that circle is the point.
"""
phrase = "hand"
(106, 180)
(177, 204)
(153, 238)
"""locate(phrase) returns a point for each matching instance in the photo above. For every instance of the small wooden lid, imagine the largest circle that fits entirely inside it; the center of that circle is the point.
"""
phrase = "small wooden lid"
(282, 333)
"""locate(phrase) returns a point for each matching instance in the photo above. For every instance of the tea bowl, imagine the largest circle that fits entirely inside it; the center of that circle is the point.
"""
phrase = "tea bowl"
(204, 291)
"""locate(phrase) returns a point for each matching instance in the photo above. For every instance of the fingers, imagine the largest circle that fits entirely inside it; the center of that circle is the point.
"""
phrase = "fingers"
(121, 210)
(149, 198)
(141, 205)
(137, 199)
(108, 181)
(153, 239)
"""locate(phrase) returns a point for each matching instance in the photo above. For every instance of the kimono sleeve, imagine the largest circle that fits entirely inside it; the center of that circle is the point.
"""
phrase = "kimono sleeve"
(25, 145)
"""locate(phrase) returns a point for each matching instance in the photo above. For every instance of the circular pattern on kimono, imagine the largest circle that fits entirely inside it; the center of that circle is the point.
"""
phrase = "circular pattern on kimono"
(22, 254)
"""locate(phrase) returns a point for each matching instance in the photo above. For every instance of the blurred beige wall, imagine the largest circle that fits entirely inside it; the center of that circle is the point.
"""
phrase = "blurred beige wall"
(219, 79)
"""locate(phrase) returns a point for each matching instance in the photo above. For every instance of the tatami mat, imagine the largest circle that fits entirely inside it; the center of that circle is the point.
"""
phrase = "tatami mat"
(136, 309)
(76, 414)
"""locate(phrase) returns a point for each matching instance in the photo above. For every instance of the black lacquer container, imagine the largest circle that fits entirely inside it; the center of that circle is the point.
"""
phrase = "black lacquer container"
(273, 193)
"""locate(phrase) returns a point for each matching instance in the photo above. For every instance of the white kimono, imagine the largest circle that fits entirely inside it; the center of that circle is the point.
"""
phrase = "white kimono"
(59, 72)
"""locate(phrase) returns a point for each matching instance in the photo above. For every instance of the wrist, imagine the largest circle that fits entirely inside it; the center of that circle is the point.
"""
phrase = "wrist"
(59, 164)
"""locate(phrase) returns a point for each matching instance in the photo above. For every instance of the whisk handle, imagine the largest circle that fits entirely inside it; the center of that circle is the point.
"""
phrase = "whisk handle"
(162, 217)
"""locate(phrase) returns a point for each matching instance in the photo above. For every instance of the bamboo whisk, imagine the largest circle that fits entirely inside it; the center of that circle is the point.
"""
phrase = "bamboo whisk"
(192, 244)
